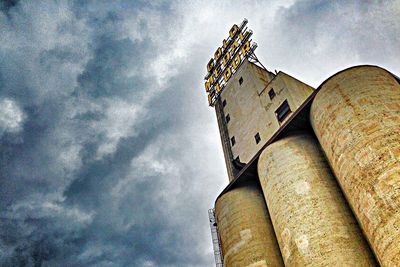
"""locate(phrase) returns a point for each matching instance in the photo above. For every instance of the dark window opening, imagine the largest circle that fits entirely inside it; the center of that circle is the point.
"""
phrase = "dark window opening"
(283, 111)
(227, 118)
(237, 164)
(258, 138)
(240, 80)
(224, 103)
(271, 93)
(233, 141)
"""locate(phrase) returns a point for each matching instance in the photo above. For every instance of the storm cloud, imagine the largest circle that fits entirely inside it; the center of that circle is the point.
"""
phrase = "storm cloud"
(109, 154)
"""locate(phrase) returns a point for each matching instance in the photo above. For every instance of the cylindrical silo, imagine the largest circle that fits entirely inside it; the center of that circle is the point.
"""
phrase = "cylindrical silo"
(356, 117)
(245, 229)
(312, 221)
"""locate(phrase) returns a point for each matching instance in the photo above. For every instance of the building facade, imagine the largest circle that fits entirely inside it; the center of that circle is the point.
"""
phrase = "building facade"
(314, 174)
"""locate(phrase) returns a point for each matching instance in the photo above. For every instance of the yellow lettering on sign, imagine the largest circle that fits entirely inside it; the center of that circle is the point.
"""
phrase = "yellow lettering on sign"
(234, 46)
(241, 36)
(224, 43)
(227, 74)
(218, 88)
(217, 70)
(226, 61)
(245, 48)
(236, 61)
(209, 83)
(210, 65)
(218, 53)
(233, 30)
(226, 58)
(209, 99)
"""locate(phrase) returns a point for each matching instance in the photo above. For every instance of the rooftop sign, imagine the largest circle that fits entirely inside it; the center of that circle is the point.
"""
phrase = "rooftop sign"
(227, 59)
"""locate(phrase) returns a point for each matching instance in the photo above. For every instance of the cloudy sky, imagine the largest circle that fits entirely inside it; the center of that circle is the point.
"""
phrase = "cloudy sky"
(109, 153)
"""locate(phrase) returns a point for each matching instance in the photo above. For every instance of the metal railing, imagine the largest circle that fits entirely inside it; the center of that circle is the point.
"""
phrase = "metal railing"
(215, 239)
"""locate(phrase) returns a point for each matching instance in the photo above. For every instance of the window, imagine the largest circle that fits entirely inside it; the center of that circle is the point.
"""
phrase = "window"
(227, 118)
(240, 80)
(271, 93)
(224, 103)
(258, 138)
(282, 111)
(233, 141)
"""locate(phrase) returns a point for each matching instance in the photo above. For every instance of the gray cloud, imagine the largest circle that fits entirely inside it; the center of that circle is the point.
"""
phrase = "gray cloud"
(75, 188)
(109, 153)
(319, 38)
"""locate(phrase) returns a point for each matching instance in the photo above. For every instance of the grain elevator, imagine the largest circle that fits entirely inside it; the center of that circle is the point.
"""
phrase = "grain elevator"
(314, 173)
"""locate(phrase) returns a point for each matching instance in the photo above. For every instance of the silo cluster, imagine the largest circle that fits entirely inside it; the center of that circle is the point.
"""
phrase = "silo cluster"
(327, 194)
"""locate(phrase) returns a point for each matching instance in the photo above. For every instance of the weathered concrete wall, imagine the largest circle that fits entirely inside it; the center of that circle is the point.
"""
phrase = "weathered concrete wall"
(252, 111)
(312, 221)
(245, 229)
(356, 117)
(286, 88)
(226, 145)
(247, 115)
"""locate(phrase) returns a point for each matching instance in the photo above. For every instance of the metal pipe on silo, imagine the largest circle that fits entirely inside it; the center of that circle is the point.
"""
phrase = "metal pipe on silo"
(312, 221)
(356, 117)
(245, 230)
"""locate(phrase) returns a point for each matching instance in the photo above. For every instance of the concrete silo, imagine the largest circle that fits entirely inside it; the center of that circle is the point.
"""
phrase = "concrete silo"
(245, 229)
(312, 221)
(356, 117)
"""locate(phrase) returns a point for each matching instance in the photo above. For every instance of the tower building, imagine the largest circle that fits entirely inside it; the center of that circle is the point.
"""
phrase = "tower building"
(314, 174)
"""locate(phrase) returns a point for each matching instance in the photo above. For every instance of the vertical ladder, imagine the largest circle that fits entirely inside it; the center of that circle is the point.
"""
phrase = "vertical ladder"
(215, 239)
